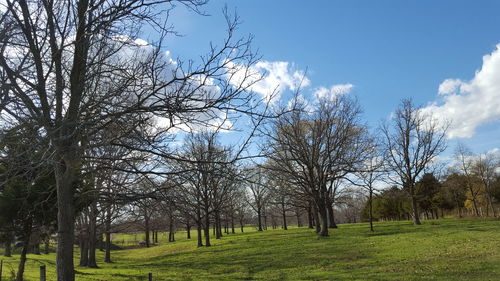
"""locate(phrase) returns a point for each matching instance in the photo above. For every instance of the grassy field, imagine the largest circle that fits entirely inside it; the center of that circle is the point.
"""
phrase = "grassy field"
(438, 250)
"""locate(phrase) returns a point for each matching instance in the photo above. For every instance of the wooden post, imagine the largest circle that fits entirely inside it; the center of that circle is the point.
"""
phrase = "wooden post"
(150, 276)
(1, 267)
(43, 276)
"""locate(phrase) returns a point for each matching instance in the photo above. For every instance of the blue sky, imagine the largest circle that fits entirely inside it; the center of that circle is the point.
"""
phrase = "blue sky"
(388, 50)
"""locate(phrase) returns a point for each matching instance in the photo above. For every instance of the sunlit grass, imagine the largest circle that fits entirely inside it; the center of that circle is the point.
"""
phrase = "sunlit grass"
(438, 250)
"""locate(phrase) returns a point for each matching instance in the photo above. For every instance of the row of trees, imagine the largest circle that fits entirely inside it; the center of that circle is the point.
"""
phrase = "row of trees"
(92, 118)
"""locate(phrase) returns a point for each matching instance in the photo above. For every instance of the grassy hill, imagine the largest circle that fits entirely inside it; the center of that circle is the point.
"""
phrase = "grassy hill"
(447, 249)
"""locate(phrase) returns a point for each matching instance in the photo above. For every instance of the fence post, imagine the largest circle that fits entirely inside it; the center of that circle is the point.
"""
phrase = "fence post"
(1, 269)
(150, 276)
(42, 273)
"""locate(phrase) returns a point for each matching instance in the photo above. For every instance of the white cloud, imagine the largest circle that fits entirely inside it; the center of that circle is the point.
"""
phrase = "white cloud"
(470, 104)
(333, 91)
(267, 78)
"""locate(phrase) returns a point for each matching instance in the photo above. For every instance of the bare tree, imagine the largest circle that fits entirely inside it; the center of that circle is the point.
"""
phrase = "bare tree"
(313, 149)
(411, 143)
(485, 168)
(65, 69)
(369, 174)
(258, 193)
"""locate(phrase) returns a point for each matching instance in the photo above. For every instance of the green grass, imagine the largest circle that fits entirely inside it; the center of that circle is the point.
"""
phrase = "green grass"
(446, 249)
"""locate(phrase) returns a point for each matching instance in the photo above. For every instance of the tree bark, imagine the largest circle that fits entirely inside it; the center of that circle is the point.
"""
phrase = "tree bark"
(26, 241)
(66, 172)
(198, 227)
(284, 217)
(315, 216)
(259, 218)
(414, 204)
(323, 214)
(331, 214)
(92, 239)
(146, 225)
(107, 257)
(188, 229)
(207, 229)
(370, 202)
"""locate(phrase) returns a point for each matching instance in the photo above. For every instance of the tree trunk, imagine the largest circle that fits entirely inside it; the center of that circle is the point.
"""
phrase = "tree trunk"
(146, 226)
(370, 201)
(330, 213)
(107, 257)
(188, 229)
(316, 218)
(66, 171)
(207, 228)
(218, 225)
(241, 225)
(26, 242)
(171, 237)
(22, 263)
(92, 262)
(414, 205)
(323, 214)
(297, 214)
(232, 224)
(84, 251)
(310, 218)
(198, 227)
(259, 219)
(284, 217)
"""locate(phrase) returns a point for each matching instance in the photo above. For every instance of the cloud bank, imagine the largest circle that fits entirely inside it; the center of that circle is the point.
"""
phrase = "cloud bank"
(470, 104)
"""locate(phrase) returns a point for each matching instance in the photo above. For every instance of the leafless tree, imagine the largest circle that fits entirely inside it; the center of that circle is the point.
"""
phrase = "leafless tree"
(74, 68)
(258, 192)
(411, 142)
(369, 174)
(485, 168)
(313, 148)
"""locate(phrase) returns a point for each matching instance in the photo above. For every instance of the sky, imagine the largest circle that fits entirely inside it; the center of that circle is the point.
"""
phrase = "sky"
(443, 54)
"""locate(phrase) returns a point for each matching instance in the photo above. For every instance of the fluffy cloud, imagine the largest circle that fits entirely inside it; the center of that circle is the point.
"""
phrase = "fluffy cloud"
(267, 78)
(333, 91)
(470, 104)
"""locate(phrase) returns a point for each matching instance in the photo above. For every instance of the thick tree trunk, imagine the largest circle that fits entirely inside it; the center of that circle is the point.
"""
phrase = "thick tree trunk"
(217, 225)
(65, 176)
(188, 229)
(299, 222)
(259, 219)
(22, 263)
(24, 251)
(84, 251)
(171, 237)
(323, 214)
(92, 262)
(107, 256)
(207, 229)
(310, 218)
(331, 214)
(414, 205)
(232, 224)
(146, 226)
(285, 227)
(315, 216)
(198, 227)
